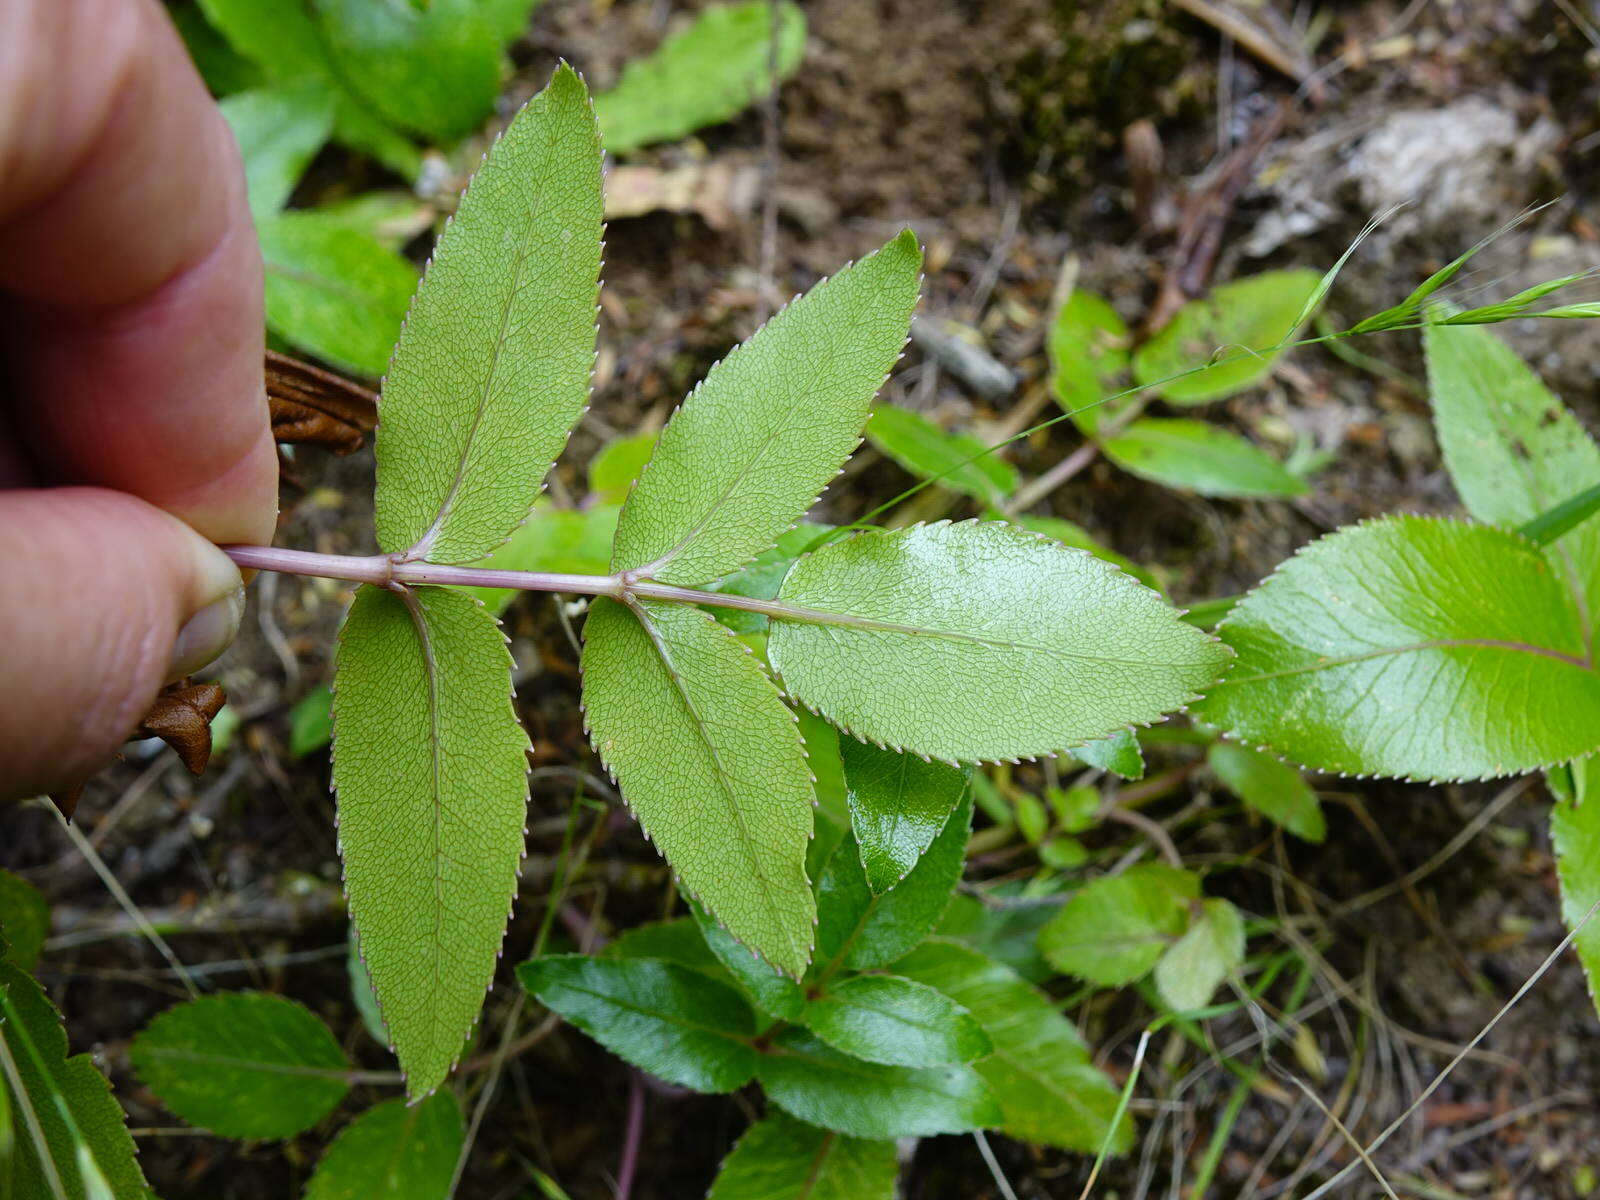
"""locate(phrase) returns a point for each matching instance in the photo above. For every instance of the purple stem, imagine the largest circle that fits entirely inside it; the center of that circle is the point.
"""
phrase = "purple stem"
(629, 1164)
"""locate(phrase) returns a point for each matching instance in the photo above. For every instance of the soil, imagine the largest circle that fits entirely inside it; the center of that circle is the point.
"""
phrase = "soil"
(995, 128)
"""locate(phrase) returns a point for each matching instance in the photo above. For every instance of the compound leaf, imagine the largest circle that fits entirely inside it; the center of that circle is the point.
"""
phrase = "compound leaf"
(1116, 928)
(949, 459)
(563, 540)
(708, 73)
(898, 805)
(863, 930)
(780, 1158)
(1193, 456)
(670, 1020)
(1575, 831)
(899, 1022)
(24, 921)
(87, 1152)
(1274, 789)
(395, 1150)
(710, 760)
(1040, 1072)
(1513, 449)
(430, 766)
(279, 131)
(1191, 971)
(1243, 324)
(242, 1064)
(433, 68)
(752, 447)
(1412, 647)
(981, 641)
(333, 291)
(493, 364)
(811, 1080)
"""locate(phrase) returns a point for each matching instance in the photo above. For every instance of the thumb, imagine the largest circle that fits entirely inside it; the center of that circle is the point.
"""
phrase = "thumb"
(103, 598)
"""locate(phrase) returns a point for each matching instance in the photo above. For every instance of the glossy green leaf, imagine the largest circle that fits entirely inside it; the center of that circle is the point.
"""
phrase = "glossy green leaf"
(710, 761)
(1414, 647)
(1242, 324)
(779, 1158)
(1118, 753)
(1048, 1090)
(1575, 833)
(618, 465)
(771, 990)
(1070, 533)
(1088, 355)
(551, 539)
(1196, 457)
(24, 921)
(1512, 448)
(1274, 789)
(752, 447)
(333, 291)
(432, 68)
(951, 460)
(493, 365)
(669, 1020)
(981, 641)
(1189, 973)
(311, 722)
(762, 576)
(887, 1019)
(430, 766)
(809, 1079)
(863, 930)
(1116, 928)
(242, 1064)
(898, 805)
(86, 1151)
(394, 1150)
(279, 131)
(713, 70)
(677, 941)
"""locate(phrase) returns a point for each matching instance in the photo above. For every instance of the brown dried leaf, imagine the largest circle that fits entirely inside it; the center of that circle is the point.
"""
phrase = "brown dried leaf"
(317, 407)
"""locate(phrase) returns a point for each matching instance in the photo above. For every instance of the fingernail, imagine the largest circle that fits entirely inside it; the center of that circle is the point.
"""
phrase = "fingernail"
(206, 634)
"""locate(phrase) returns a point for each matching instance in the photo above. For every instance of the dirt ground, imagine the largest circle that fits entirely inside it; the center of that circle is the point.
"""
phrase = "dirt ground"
(997, 129)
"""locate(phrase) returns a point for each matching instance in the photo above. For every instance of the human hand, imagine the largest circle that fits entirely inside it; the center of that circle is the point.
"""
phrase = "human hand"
(133, 422)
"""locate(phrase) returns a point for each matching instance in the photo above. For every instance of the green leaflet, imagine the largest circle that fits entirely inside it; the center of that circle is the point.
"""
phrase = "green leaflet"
(816, 1083)
(311, 722)
(1196, 457)
(1242, 323)
(981, 641)
(780, 1158)
(752, 447)
(551, 539)
(1274, 789)
(708, 73)
(430, 766)
(899, 1022)
(677, 941)
(862, 930)
(710, 760)
(279, 131)
(1202, 959)
(898, 805)
(394, 1150)
(242, 1064)
(492, 367)
(433, 68)
(1413, 647)
(1116, 928)
(333, 291)
(24, 921)
(771, 990)
(618, 465)
(1512, 448)
(392, 217)
(1040, 1073)
(1119, 753)
(87, 1150)
(669, 1020)
(1575, 830)
(1088, 354)
(949, 459)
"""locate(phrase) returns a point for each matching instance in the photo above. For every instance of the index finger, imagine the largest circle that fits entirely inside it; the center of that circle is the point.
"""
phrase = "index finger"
(132, 323)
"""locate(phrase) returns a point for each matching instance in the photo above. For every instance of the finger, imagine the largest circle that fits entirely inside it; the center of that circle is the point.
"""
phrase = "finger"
(103, 599)
(132, 277)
